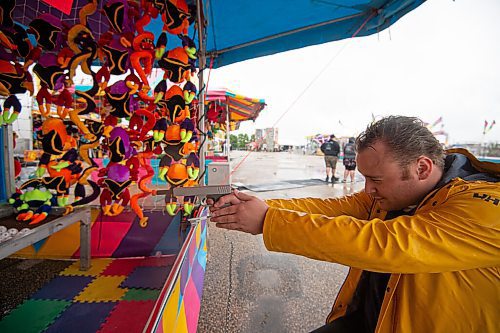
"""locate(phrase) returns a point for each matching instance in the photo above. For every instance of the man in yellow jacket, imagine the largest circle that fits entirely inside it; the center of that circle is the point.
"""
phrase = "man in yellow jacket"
(422, 239)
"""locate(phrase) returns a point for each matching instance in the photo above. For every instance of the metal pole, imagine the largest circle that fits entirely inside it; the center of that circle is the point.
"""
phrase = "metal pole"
(201, 97)
(85, 238)
(228, 129)
(8, 148)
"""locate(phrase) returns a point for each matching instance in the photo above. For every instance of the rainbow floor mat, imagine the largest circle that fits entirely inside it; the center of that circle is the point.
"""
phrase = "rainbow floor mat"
(115, 295)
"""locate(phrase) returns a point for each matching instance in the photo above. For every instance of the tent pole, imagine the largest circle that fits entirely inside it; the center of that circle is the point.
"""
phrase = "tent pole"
(201, 84)
(8, 151)
(228, 128)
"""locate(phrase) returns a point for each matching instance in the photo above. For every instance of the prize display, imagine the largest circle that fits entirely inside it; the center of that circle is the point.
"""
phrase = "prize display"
(123, 112)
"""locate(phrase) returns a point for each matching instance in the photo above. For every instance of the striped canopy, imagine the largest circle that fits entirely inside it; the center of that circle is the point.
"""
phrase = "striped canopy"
(241, 108)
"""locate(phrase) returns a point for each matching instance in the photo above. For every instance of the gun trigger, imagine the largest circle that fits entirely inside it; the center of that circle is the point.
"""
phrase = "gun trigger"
(214, 197)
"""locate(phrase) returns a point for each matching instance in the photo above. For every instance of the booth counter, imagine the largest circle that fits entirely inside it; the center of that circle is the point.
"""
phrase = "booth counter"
(156, 273)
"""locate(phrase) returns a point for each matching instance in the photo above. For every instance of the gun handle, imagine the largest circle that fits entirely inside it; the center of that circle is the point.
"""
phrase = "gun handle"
(216, 197)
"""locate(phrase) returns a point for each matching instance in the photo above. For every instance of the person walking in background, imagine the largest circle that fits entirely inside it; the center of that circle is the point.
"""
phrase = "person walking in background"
(331, 149)
(349, 160)
(422, 239)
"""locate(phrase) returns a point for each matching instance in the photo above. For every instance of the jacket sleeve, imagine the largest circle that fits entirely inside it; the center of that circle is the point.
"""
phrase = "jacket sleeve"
(357, 205)
(462, 233)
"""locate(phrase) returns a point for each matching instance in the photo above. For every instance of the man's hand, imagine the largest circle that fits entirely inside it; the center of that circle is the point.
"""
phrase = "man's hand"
(245, 213)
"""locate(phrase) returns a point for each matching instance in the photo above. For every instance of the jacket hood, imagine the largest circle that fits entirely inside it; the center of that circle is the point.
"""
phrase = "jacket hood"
(462, 164)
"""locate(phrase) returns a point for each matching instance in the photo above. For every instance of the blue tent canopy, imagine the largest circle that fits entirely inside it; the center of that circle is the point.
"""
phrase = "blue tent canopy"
(241, 30)
(246, 29)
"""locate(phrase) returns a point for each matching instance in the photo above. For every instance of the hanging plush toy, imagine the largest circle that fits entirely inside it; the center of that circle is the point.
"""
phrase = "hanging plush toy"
(176, 17)
(190, 49)
(160, 91)
(176, 105)
(55, 141)
(50, 74)
(143, 55)
(6, 10)
(86, 98)
(143, 186)
(44, 100)
(14, 79)
(16, 40)
(150, 122)
(48, 31)
(173, 135)
(187, 129)
(11, 102)
(161, 45)
(120, 97)
(159, 129)
(82, 43)
(64, 101)
(116, 11)
(189, 91)
(32, 205)
(115, 194)
(176, 65)
(120, 147)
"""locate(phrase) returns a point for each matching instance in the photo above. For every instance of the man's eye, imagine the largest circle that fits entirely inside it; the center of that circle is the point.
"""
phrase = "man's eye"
(378, 181)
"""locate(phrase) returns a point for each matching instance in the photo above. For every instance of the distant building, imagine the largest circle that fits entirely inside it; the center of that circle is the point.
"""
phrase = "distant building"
(267, 139)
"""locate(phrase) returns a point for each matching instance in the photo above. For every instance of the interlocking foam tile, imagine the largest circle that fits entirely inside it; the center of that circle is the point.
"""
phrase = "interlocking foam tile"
(122, 266)
(32, 316)
(82, 317)
(96, 267)
(128, 316)
(63, 288)
(141, 295)
(147, 277)
(103, 289)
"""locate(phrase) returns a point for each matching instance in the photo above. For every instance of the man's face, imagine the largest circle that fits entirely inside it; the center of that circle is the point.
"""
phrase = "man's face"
(384, 178)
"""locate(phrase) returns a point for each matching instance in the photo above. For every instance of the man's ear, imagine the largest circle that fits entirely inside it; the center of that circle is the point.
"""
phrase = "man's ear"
(424, 167)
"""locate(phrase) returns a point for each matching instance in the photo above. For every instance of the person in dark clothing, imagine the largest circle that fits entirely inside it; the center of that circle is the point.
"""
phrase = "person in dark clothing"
(331, 149)
(349, 160)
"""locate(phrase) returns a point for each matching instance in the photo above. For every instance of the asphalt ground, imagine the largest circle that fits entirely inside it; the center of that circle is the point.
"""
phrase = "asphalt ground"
(249, 289)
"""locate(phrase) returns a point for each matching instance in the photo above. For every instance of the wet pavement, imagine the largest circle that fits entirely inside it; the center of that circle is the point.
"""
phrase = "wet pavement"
(249, 289)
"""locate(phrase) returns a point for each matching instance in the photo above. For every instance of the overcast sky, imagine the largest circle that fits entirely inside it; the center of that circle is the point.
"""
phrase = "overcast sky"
(440, 60)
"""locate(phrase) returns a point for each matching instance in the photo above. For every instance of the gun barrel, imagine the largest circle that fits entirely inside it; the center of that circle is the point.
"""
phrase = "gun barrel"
(208, 190)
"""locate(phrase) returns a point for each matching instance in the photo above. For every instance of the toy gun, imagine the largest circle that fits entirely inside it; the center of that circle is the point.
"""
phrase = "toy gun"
(213, 192)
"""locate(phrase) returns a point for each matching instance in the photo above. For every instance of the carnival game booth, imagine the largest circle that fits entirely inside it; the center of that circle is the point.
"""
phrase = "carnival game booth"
(225, 110)
(130, 254)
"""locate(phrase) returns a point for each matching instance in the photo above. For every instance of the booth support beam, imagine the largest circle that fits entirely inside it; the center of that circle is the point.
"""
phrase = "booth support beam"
(85, 255)
(8, 149)
(201, 98)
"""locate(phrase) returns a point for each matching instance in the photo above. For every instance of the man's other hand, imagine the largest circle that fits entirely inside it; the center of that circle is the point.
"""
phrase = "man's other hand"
(246, 213)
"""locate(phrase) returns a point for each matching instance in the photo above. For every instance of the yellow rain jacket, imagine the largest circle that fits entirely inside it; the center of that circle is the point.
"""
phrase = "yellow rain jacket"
(444, 260)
